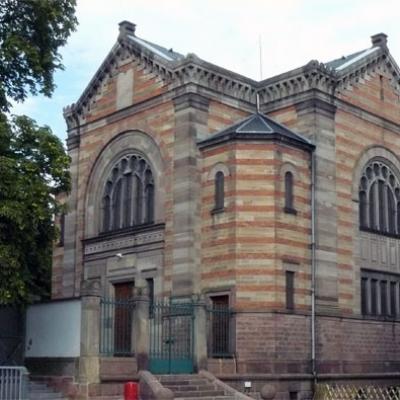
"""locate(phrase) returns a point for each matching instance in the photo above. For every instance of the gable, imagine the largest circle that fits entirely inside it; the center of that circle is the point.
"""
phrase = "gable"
(125, 82)
(136, 70)
(375, 91)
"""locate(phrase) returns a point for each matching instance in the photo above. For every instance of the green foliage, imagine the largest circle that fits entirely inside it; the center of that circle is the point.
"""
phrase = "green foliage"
(33, 162)
(31, 32)
(34, 170)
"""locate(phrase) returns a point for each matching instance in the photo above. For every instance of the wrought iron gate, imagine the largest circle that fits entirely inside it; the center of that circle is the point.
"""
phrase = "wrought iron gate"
(171, 337)
(116, 327)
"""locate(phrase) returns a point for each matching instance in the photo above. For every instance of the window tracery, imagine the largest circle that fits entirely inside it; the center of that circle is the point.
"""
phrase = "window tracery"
(379, 199)
(128, 196)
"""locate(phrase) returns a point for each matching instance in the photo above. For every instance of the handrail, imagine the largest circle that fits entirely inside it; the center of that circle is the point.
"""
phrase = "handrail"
(13, 383)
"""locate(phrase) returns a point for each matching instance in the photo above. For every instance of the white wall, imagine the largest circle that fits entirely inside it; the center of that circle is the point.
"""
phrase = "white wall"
(53, 329)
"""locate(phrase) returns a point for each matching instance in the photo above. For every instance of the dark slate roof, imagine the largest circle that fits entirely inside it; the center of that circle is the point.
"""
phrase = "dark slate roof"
(346, 61)
(168, 54)
(257, 127)
(340, 61)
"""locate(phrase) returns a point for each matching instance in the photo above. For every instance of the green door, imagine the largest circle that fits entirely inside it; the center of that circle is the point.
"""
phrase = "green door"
(171, 338)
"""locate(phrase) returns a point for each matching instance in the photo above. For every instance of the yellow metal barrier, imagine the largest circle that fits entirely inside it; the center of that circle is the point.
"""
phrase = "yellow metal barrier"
(353, 392)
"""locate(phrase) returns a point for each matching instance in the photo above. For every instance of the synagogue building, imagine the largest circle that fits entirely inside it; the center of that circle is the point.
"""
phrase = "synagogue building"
(248, 229)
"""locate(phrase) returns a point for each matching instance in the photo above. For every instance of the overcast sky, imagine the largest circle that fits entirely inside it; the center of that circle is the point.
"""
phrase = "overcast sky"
(224, 32)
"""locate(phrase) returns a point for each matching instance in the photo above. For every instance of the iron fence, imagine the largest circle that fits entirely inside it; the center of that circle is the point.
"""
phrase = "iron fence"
(220, 331)
(14, 383)
(353, 392)
(116, 333)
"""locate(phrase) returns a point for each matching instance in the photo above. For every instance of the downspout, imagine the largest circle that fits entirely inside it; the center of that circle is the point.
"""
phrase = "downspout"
(313, 272)
(76, 290)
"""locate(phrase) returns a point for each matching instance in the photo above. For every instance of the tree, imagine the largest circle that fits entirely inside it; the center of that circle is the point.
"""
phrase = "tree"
(31, 32)
(33, 162)
(34, 170)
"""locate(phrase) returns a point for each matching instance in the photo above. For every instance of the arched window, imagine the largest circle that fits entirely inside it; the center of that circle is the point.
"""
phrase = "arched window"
(379, 199)
(128, 195)
(219, 190)
(289, 203)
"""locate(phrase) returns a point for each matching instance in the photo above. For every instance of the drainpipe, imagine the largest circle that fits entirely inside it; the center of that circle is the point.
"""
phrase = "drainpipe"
(313, 270)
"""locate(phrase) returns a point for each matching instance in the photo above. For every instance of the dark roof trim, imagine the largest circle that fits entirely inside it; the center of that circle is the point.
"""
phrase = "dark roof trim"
(274, 137)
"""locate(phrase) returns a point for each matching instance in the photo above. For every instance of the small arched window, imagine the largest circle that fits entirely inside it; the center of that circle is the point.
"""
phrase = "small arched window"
(219, 191)
(128, 195)
(379, 199)
(289, 198)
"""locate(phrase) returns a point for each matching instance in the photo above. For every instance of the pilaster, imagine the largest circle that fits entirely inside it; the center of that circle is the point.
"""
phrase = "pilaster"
(141, 327)
(89, 365)
(316, 117)
(191, 115)
(200, 334)
(70, 222)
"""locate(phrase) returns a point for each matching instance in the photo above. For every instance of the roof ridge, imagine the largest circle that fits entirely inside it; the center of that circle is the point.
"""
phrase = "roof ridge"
(250, 119)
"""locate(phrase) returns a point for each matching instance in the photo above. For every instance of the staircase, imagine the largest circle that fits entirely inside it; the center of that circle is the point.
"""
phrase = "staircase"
(193, 387)
(40, 391)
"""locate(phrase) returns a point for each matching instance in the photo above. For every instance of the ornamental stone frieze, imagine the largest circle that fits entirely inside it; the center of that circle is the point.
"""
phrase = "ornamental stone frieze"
(131, 239)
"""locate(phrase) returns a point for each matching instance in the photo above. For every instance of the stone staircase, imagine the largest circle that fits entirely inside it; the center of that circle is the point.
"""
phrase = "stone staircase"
(193, 387)
(40, 391)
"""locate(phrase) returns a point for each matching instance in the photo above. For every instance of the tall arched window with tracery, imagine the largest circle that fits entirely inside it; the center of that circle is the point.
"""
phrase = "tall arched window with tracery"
(379, 199)
(128, 195)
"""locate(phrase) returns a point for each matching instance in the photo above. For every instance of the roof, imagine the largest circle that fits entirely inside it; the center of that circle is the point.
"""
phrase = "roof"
(257, 127)
(346, 61)
(172, 66)
(168, 54)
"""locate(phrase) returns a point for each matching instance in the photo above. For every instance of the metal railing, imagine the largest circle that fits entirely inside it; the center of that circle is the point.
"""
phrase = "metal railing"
(171, 337)
(354, 392)
(14, 383)
(220, 331)
(116, 333)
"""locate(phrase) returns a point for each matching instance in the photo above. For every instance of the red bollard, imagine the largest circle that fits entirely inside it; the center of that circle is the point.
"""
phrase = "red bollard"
(131, 391)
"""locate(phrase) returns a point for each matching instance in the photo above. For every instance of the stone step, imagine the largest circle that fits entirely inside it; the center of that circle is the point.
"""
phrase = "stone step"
(46, 395)
(184, 382)
(38, 385)
(209, 398)
(180, 376)
(40, 391)
(185, 388)
(199, 393)
(108, 398)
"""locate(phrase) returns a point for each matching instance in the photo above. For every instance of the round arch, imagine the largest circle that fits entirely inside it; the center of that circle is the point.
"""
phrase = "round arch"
(122, 145)
(378, 153)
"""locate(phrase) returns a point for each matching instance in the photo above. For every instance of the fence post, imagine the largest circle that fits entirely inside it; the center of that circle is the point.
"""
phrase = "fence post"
(89, 363)
(141, 326)
(200, 333)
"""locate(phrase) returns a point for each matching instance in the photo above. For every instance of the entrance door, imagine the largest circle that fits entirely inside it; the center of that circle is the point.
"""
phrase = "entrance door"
(171, 338)
(123, 319)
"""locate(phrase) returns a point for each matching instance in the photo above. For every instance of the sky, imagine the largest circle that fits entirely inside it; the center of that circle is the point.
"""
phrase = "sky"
(224, 32)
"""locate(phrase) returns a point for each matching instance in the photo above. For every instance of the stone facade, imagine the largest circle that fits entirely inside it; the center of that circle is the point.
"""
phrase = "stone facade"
(168, 108)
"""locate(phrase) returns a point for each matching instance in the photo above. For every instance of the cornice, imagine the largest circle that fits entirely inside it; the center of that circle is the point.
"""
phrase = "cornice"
(314, 75)
(275, 138)
(379, 62)
(191, 100)
(193, 70)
